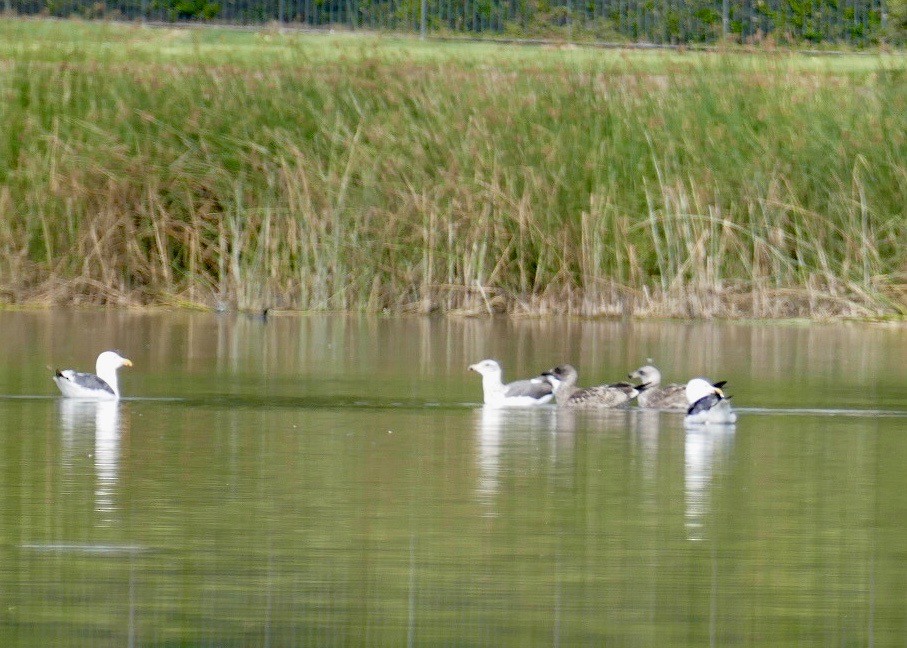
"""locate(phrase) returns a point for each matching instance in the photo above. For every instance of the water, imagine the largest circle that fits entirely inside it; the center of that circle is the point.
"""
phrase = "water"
(333, 481)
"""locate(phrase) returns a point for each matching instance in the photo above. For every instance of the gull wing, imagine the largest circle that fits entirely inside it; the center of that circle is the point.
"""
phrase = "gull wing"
(671, 396)
(601, 396)
(531, 388)
(704, 404)
(85, 380)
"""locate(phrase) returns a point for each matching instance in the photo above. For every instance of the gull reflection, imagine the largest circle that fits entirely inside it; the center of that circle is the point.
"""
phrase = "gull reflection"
(489, 433)
(591, 418)
(704, 451)
(493, 426)
(645, 426)
(78, 418)
(106, 455)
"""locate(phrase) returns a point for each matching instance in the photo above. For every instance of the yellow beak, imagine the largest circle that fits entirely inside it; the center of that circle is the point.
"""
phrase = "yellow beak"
(127, 362)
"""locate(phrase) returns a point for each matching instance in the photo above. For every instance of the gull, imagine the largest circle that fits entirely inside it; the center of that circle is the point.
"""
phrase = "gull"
(657, 396)
(521, 393)
(563, 379)
(101, 385)
(707, 404)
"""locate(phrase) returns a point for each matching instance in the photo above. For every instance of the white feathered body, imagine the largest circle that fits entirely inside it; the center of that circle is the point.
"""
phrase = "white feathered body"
(102, 385)
(719, 414)
(708, 405)
(520, 393)
(66, 381)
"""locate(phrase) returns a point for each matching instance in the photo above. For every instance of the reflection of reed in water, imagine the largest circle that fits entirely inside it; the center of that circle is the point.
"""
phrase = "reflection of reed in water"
(704, 451)
(79, 417)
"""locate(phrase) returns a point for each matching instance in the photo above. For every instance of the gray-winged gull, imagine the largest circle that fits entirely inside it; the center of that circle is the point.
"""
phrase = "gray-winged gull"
(101, 385)
(520, 393)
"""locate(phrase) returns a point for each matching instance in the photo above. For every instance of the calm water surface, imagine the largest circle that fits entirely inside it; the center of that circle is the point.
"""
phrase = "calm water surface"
(334, 481)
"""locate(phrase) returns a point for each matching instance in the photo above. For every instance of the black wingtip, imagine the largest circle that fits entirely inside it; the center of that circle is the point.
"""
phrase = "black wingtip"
(719, 384)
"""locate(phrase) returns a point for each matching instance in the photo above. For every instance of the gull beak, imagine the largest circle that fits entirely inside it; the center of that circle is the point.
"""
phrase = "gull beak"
(127, 362)
(472, 367)
(719, 392)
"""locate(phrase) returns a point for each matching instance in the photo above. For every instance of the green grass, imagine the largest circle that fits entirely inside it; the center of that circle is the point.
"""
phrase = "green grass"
(175, 166)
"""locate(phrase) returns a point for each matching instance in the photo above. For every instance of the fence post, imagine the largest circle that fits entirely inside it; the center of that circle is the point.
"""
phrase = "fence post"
(280, 12)
(725, 18)
(423, 19)
(569, 21)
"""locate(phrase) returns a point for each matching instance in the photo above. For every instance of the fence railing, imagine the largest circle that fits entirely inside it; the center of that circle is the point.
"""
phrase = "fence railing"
(857, 22)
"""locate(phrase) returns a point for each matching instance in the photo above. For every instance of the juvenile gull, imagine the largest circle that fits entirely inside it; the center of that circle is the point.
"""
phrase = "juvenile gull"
(671, 397)
(521, 393)
(101, 385)
(707, 404)
(563, 380)
(657, 396)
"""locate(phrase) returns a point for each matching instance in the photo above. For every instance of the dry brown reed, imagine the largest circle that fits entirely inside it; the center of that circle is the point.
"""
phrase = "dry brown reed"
(405, 184)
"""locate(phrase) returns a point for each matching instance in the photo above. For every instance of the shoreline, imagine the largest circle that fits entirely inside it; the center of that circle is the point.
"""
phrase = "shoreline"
(548, 313)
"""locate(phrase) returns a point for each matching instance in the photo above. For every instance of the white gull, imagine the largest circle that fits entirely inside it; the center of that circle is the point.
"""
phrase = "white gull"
(101, 385)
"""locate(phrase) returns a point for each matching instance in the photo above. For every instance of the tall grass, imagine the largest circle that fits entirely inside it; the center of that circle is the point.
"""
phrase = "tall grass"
(391, 177)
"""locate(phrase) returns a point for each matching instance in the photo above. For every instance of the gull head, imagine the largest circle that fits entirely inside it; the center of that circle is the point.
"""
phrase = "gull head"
(560, 376)
(647, 374)
(486, 368)
(111, 360)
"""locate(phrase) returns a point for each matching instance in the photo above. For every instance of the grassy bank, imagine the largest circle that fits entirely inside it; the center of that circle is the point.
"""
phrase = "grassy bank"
(318, 172)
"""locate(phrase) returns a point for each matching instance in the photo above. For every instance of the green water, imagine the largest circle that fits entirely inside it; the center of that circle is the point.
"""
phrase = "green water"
(325, 481)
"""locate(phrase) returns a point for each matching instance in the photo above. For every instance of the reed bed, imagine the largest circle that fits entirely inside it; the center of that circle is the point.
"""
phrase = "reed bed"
(362, 174)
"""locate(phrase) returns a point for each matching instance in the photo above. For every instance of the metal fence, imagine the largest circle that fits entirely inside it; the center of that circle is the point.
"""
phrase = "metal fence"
(858, 22)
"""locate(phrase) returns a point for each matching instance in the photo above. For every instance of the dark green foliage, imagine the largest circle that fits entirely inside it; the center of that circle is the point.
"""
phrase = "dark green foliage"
(854, 22)
(189, 9)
